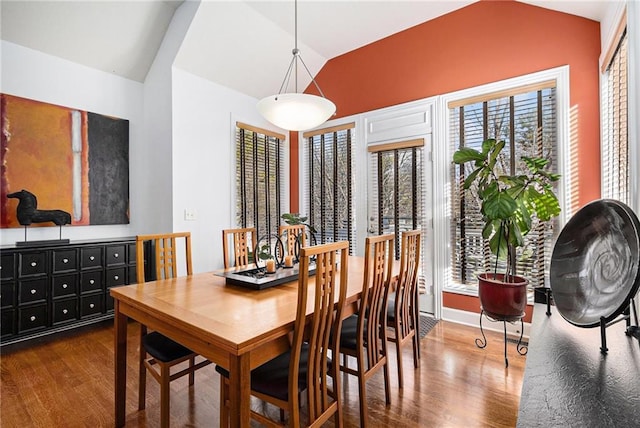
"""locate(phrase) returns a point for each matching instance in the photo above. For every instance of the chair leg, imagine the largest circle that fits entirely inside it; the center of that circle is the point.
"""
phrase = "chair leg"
(142, 372)
(416, 349)
(387, 385)
(363, 396)
(399, 357)
(164, 396)
(192, 362)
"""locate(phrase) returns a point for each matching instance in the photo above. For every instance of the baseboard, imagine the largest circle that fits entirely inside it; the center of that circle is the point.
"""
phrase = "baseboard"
(472, 319)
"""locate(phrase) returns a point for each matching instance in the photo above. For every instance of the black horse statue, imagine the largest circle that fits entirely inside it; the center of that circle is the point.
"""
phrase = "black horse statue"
(28, 212)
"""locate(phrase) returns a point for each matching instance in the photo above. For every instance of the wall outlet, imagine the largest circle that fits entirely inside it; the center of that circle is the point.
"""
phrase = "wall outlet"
(190, 214)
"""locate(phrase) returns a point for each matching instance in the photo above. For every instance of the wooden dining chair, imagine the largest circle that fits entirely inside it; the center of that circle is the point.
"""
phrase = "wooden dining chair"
(402, 312)
(292, 233)
(363, 335)
(237, 245)
(306, 366)
(158, 353)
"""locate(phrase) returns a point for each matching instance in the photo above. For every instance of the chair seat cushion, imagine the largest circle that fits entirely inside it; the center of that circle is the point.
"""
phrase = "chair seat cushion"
(348, 334)
(162, 348)
(272, 378)
(391, 308)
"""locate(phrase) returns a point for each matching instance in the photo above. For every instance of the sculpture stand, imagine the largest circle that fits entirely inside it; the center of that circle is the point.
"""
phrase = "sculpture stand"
(632, 330)
(26, 243)
(482, 343)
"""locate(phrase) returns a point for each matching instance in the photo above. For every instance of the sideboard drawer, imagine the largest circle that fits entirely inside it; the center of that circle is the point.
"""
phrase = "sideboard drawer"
(33, 264)
(116, 277)
(65, 260)
(65, 310)
(7, 294)
(65, 285)
(90, 281)
(90, 305)
(90, 257)
(32, 317)
(33, 290)
(7, 322)
(7, 268)
(116, 255)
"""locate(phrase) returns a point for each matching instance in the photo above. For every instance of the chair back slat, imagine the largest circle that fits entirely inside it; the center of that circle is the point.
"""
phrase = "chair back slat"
(406, 290)
(292, 233)
(237, 245)
(165, 248)
(329, 288)
(372, 319)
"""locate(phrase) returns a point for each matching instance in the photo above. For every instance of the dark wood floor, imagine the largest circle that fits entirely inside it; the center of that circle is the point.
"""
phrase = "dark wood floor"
(67, 381)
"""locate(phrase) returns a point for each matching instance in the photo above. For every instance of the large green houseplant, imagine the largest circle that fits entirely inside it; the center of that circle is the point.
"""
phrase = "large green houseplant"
(508, 204)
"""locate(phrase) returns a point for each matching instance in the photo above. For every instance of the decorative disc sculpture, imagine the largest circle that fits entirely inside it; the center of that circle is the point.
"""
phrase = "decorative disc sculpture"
(595, 266)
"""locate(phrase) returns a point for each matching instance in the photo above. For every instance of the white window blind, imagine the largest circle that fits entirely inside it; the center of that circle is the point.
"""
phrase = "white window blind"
(615, 138)
(330, 184)
(527, 122)
(259, 176)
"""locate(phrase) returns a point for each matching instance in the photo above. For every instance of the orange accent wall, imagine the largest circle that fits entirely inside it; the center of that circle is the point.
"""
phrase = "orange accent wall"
(485, 42)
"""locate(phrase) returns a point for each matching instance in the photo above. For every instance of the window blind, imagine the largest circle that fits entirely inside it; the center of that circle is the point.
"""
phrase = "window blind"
(527, 122)
(259, 177)
(329, 196)
(615, 138)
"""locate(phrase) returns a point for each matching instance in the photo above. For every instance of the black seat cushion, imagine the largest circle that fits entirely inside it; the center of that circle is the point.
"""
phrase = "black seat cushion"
(391, 308)
(162, 348)
(272, 378)
(348, 334)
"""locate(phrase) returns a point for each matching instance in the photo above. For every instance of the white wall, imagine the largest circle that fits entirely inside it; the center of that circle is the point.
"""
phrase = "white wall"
(204, 116)
(31, 74)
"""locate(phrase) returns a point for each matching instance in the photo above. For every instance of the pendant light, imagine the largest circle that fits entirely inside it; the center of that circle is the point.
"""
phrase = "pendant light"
(296, 111)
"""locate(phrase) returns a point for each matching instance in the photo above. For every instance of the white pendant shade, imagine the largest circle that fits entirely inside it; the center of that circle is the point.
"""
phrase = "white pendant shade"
(296, 112)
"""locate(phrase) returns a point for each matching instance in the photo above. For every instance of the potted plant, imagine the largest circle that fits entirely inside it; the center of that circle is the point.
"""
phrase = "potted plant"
(508, 204)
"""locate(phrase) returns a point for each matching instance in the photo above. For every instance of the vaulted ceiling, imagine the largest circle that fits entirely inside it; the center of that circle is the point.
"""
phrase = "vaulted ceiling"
(244, 45)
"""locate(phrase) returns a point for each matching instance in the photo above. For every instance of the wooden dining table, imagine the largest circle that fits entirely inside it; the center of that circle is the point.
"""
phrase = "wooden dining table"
(236, 327)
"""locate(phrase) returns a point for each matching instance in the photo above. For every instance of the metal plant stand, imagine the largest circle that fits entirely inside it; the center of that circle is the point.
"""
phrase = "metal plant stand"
(520, 347)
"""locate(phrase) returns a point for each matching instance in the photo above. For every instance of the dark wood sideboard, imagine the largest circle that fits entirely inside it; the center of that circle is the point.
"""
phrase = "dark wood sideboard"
(47, 289)
(569, 383)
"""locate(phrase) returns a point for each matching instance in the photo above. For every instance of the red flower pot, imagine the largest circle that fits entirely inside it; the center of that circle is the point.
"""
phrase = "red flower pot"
(504, 301)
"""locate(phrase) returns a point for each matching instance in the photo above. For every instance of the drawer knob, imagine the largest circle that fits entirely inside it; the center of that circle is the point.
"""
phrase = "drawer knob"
(64, 311)
(115, 255)
(34, 264)
(91, 305)
(65, 261)
(92, 258)
(91, 281)
(116, 277)
(33, 318)
(33, 291)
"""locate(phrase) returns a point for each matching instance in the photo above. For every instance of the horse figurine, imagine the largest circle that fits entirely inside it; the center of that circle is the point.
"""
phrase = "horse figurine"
(28, 212)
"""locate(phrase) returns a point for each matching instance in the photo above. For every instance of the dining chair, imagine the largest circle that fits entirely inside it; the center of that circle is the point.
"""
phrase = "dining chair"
(306, 366)
(292, 233)
(402, 312)
(363, 334)
(237, 245)
(155, 348)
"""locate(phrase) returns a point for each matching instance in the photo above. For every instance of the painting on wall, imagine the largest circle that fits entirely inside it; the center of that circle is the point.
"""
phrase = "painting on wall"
(71, 160)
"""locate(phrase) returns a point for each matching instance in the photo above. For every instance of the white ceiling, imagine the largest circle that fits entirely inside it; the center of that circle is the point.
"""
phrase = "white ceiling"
(226, 40)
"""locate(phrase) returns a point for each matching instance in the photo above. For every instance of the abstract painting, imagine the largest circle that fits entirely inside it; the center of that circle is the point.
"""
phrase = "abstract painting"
(72, 160)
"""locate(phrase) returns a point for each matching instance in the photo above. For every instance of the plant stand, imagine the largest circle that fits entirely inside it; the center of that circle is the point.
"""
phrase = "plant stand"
(482, 343)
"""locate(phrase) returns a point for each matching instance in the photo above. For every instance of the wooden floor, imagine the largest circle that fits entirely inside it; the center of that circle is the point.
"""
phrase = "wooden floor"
(67, 381)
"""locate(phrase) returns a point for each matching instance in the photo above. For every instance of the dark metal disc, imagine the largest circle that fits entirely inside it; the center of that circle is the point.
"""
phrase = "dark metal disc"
(595, 265)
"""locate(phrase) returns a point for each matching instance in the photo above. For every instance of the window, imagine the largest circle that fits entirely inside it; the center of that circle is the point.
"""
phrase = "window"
(259, 178)
(525, 118)
(615, 138)
(329, 169)
(397, 199)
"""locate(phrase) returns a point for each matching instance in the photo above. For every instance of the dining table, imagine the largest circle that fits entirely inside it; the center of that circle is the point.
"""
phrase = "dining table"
(236, 327)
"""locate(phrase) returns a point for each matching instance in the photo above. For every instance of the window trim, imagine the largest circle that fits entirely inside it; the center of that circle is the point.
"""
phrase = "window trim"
(234, 123)
(442, 162)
